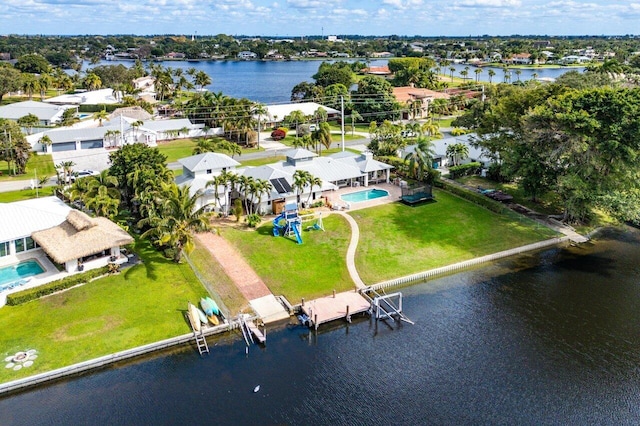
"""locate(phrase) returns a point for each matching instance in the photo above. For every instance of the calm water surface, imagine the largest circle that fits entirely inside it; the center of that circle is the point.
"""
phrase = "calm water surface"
(546, 338)
(272, 82)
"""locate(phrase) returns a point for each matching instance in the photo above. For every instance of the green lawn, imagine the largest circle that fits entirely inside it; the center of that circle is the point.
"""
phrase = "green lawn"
(142, 304)
(262, 161)
(182, 148)
(312, 269)
(397, 240)
(42, 165)
(25, 194)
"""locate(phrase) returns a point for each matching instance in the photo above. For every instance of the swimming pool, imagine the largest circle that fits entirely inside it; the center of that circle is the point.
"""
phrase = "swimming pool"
(84, 115)
(25, 269)
(366, 195)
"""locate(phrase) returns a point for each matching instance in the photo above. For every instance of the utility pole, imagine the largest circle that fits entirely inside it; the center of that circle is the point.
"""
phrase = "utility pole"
(342, 121)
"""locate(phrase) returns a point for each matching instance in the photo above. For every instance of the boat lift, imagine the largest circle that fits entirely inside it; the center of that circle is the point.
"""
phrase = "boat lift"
(388, 306)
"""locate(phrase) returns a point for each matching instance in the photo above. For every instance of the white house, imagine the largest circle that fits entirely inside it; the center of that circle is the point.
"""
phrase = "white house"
(246, 55)
(47, 114)
(441, 159)
(277, 113)
(199, 169)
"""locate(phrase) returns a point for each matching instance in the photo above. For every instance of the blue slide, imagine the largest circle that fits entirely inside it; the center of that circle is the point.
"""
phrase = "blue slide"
(276, 226)
(296, 230)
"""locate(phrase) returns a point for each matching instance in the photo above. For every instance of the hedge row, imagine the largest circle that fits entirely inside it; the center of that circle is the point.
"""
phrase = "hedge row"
(474, 197)
(464, 170)
(28, 295)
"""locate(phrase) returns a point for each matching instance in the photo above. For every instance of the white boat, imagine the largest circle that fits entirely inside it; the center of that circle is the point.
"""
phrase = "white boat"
(194, 318)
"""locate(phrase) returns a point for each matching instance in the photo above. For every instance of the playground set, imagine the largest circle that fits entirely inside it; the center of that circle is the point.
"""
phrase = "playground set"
(289, 222)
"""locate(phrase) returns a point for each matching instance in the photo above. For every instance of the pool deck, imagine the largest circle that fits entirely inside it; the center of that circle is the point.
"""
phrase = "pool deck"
(394, 195)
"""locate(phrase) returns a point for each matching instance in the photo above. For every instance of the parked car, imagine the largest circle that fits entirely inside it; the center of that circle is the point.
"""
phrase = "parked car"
(83, 173)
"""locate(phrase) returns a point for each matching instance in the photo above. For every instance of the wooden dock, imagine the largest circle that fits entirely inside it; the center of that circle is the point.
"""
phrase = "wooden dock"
(337, 306)
(259, 335)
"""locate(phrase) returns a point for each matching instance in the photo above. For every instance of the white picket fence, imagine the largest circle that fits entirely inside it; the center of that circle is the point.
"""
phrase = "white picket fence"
(466, 264)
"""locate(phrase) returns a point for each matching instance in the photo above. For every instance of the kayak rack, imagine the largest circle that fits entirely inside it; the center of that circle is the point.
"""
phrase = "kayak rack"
(201, 342)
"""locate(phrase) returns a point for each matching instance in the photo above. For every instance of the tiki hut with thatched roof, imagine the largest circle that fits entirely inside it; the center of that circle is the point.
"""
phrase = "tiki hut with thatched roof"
(83, 242)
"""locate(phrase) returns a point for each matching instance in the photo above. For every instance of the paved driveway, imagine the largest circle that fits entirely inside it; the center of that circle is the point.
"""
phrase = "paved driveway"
(90, 159)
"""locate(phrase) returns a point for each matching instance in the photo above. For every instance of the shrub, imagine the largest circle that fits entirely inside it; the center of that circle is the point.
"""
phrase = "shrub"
(474, 197)
(495, 173)
(464, 170)
(25, 296)
(278, 134)
(318, 204)
(237, 209)
(253, 220)
(459, 132)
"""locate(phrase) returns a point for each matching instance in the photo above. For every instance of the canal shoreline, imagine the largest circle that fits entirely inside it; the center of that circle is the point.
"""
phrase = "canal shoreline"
(128, 354)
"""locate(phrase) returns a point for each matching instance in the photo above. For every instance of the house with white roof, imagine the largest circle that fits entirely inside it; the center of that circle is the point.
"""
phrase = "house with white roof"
(277, 113)
(116, 132)
(441, 159)
(47, 114)
(199, 169)
(334, 171)
(93, 97)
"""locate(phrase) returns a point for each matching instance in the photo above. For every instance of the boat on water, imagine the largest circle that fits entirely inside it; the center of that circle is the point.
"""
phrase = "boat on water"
(256, 389)
(194, 318)
(214, 305)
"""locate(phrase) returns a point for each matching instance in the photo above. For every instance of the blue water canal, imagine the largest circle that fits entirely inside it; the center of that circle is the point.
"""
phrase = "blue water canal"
(545, 338)
(272, 82)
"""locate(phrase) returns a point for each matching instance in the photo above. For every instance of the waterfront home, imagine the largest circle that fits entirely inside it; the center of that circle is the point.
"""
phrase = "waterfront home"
(337, 170)
(199, 169)
(67, 236)
(247, 55)
(146, 87)
(47, 114)
(409, 95)
(277, 113)
(93, 97)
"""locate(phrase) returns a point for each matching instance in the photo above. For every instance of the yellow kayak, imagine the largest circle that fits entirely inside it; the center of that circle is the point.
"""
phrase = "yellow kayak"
(213, 319)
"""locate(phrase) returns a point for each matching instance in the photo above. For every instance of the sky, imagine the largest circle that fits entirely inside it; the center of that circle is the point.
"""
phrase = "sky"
(293, 18)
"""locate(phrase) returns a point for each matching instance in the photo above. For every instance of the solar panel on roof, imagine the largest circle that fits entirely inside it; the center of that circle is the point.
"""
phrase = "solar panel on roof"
(281, 185)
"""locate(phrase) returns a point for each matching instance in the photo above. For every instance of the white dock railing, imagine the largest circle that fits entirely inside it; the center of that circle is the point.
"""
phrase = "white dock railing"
(465, 264)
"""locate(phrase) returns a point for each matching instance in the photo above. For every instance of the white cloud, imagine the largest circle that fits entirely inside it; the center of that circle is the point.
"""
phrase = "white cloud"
(490, 3)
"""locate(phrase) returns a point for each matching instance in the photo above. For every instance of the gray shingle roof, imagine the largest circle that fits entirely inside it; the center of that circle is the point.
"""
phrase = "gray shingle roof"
(208, 161)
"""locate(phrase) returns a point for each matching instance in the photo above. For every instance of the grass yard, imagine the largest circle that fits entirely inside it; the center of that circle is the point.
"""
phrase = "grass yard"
(25, 194)
(397, 240)
(225, 291)
(40, 164)
(142, 304)
(262, 161)
(310, 270)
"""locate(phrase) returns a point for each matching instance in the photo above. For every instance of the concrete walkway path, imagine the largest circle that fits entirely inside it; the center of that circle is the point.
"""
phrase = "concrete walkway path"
(351, 250)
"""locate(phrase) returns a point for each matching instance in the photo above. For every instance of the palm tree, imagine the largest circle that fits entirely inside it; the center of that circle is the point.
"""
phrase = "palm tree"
(477, 72)
(259, 111)
(421, 159)
(322, 136)
(135, 126)
(100, 116)
(296, 117)
(44, 82)
(430, 128)
(46, 142)
(491, 73)
(102, 203)
(452, 70)
(29, 85)
(260, 187)
(355, 116)
(92, 81)
(103, 180)
(300, 180)
(313, 181)
(216, 183)
(201, 79)
(464, 74)
(457, 151)
(518, 72)
(177, 220)
(67, 169)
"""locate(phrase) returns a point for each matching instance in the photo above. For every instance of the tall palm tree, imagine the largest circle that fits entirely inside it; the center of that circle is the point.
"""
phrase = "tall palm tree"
(313, 181)
(518, 72)
(176, 220)
(260, 112)
(260, 188)
(430, 128)
(201, 79)
(135, 125)
(67, 170)
(355, 116)
(322, 136)
(29, 85)
(452, 70)
(300, 180)
(92, 81)
(296, 117)
(491, 73)
(46, 142)
(44, 81)
(457, 151)
(477, 72)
